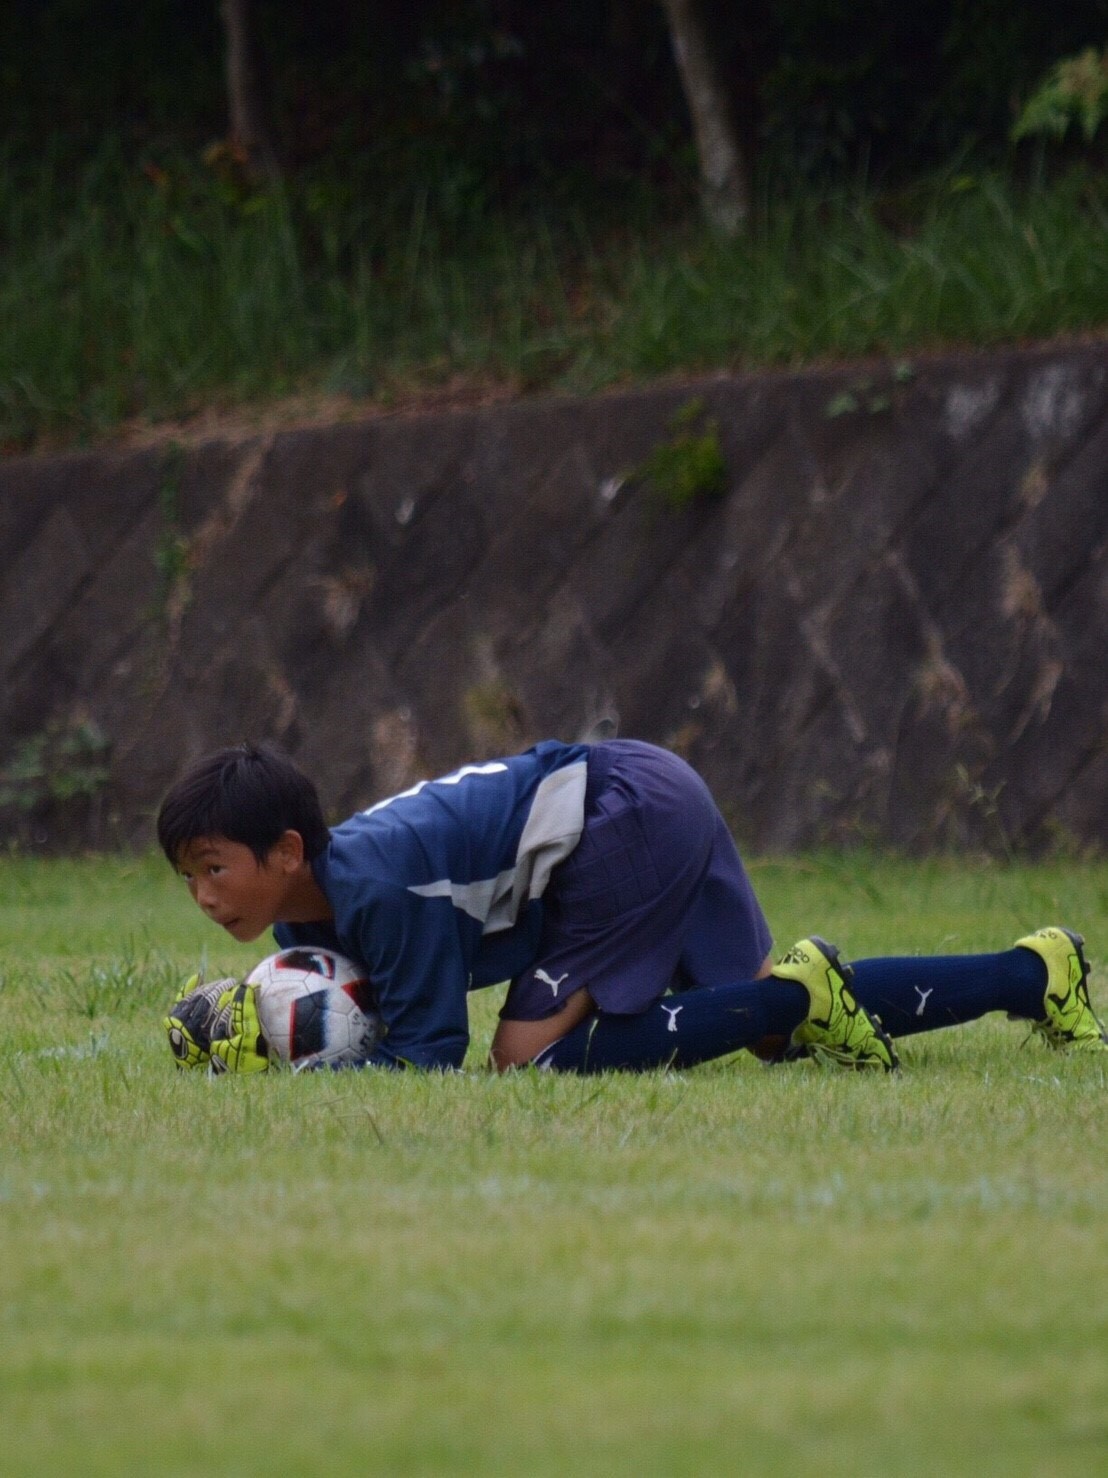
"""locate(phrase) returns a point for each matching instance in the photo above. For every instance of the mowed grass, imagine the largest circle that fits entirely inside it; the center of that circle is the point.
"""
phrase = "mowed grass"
(737, 1269)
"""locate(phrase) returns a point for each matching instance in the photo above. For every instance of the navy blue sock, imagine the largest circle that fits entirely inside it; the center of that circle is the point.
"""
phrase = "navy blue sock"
(681, 1030)
(920, 995)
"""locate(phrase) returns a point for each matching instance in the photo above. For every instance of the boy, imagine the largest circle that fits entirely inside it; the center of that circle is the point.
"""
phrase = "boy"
(601, 881)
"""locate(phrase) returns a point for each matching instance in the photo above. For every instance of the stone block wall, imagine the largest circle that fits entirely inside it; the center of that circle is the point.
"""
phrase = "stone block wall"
(890, 627)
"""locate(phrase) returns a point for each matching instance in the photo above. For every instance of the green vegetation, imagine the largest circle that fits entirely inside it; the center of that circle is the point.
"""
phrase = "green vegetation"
(688, 464)
(484, 197)
(147, 295)
(737, 1269)
(57, 776)
(171, 551)
(1073, 92)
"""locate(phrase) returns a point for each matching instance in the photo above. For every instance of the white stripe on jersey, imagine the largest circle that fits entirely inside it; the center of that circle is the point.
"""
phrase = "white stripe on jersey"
(550, 833)
(475, 899)
(494, 767)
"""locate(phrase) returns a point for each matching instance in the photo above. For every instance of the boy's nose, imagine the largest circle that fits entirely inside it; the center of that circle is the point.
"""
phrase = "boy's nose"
(205, 896)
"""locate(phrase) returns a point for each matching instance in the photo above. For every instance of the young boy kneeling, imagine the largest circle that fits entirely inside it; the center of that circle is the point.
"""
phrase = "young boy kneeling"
(602, 882)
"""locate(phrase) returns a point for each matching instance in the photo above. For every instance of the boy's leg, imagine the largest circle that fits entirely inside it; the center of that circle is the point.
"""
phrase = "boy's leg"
(1043, 980)
(655, 895)
(678, 1031)
(807, 1000)
(516, 1043)
(619, 911)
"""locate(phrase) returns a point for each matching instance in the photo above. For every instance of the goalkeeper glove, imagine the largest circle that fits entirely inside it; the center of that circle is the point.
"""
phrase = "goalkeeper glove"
(192, 1020)
(237, 1044)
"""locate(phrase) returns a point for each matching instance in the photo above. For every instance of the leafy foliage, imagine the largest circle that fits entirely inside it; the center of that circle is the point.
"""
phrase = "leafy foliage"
(490, 192)
(514, 97)
(1075, 91)
(688, 464)
(65, 761)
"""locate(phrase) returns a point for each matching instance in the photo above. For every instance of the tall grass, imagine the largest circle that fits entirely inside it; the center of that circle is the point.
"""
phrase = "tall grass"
(144, 293)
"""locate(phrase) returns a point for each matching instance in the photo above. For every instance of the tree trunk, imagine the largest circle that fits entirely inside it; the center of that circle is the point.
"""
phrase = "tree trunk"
(248, 129)
(724, 170)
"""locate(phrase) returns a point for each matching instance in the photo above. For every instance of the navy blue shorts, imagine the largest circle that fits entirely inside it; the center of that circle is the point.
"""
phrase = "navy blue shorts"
(654, 896)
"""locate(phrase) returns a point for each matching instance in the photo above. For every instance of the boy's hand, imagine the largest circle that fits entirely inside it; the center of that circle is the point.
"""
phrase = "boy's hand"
(192, 1020)
(237, 1044)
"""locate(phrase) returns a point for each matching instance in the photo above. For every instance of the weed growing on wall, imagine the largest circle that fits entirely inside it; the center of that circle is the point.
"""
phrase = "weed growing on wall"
(172, 548)
(688, 465)
(66, 761)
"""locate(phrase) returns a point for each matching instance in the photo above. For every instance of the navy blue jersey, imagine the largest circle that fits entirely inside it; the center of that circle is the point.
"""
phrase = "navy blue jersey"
(438, 890)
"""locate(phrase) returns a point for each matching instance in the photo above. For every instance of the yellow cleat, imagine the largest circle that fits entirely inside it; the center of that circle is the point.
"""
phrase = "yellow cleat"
(837, 1029)
(1070, 1024)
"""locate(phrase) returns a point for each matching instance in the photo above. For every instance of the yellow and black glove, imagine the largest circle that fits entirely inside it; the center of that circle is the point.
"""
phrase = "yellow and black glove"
(237, 1044)
(191, 1021)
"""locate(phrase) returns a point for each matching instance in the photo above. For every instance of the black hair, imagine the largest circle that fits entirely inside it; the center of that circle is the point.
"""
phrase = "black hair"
(249, 793)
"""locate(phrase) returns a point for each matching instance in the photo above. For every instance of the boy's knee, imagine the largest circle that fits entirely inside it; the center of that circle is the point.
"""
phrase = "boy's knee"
(517, 1043)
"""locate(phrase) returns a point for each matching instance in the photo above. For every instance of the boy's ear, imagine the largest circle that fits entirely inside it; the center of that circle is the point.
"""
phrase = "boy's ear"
(288, 850)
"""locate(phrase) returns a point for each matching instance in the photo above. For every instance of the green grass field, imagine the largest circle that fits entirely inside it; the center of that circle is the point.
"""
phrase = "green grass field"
(735, 1270)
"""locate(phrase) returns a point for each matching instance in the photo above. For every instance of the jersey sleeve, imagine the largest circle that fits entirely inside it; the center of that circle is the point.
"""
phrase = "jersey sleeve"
(418, 970)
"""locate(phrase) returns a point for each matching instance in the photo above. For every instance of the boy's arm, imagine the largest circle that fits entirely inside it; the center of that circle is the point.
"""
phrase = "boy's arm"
(412, 947)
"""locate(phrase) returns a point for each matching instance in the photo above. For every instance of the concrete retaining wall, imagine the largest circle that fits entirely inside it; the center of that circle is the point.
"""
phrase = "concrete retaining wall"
(892, 626)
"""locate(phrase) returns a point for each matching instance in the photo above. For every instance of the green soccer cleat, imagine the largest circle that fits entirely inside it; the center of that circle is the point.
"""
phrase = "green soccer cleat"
(836, 1029)
(1070, 1024)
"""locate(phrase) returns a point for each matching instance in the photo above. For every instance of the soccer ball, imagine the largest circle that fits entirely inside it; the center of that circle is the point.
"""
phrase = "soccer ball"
(316, 1008)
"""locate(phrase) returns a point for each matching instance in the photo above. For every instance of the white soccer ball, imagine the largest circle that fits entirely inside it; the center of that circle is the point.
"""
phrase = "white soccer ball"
(316, 1008)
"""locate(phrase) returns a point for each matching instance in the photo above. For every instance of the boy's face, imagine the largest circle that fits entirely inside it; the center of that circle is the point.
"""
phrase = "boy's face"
(233, 888)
